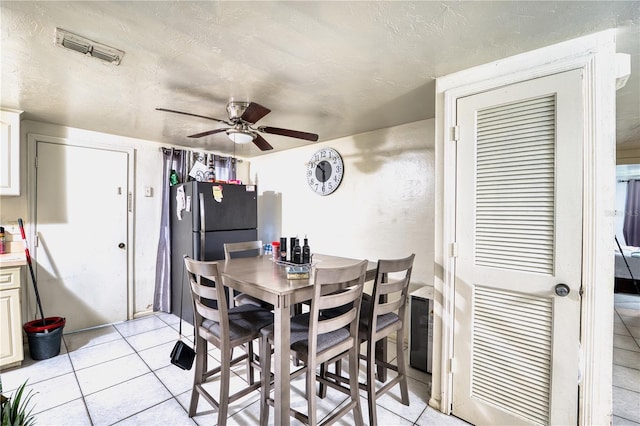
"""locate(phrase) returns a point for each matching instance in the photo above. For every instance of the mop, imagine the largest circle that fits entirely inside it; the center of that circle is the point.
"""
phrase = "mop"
(33, 276)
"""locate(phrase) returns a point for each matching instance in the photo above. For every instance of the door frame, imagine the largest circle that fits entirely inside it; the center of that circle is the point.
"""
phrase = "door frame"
(595, 56)
(32, 140)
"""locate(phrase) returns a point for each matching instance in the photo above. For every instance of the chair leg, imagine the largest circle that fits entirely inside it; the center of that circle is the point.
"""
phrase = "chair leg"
(225, 371)
(371, 382)
(201, 358)
(311, 394)
(404, 391)
(322, 391)
(250, 359)
(354, 363)
(265, 388)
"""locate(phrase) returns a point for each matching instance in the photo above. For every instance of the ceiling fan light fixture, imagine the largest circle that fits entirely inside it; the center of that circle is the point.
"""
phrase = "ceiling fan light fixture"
(240, 136)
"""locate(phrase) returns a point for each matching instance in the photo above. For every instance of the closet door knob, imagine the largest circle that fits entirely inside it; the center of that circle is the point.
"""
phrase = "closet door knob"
(562, 290)
(121, 245)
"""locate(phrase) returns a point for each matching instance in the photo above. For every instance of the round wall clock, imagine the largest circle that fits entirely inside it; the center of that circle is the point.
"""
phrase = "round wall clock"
(325, 170)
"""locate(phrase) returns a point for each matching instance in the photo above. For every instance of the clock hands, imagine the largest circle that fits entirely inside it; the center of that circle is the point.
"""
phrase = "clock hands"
(324, 179)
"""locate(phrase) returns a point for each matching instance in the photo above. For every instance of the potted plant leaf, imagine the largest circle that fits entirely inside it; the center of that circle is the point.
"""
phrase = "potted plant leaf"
(15, 410)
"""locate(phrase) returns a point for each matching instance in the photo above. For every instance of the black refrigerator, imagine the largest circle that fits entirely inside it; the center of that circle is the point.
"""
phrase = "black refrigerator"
(205, 216)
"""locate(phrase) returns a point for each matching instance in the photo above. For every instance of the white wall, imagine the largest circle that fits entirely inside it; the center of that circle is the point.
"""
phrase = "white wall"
(147, 210)
(382, 209)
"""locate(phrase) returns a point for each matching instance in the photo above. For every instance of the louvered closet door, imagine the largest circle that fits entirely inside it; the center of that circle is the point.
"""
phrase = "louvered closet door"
(518, 235)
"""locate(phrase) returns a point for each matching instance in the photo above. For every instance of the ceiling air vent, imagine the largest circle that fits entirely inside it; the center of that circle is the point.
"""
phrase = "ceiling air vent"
(88, 47)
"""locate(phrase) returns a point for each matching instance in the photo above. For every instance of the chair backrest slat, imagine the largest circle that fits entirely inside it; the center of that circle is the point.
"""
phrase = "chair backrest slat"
(390, 296)
(348, 282)
(207, 311)
(253, 246)
(206, 284)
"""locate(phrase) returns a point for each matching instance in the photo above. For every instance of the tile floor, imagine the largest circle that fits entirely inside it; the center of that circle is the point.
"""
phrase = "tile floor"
(121, 374)
(626, 360)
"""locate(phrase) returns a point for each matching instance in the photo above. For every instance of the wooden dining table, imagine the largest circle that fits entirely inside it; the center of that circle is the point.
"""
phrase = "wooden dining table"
(266, 280)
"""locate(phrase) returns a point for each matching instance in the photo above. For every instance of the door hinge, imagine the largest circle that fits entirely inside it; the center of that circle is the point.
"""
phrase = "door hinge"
(35, 161)
(130, 202)
(454, 249)
(450, 365)
(455, 133)
(36, 241)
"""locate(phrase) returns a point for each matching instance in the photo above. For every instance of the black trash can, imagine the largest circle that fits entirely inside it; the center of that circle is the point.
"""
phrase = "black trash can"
(44, 338)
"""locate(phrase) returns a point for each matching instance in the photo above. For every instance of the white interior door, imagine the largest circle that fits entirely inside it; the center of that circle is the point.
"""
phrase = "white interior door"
(518, 236)
(81, 225)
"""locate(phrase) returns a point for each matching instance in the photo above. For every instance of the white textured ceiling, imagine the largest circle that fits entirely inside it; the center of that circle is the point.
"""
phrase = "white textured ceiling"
(332, 68)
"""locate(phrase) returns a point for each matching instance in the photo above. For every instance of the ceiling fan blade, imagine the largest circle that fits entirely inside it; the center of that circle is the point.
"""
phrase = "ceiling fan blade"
(291, 133)
(207, 133)
(262, 143)
(254, 112)
(193, 115)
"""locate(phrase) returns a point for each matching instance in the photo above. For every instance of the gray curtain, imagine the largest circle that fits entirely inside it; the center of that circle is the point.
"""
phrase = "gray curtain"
(172, 160)
(631, 226)
(181, 161)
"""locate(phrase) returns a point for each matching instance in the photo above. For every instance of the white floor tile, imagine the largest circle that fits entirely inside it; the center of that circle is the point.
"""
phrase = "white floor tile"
(626, 378)
(152, 338)
(72, 413)
(95, 336)
(110, 373)
(418, 397)
(626, 358)
(97, 354)
(47, 394)
(140, 325)
(432, 417)
(625, 342)
(619, 421)
(36, 371)
(167, 413)
(626, 404)
(621, 329)
(158, 356)
(176, 379)
(635, 331)
(126, 399)
(168, 318)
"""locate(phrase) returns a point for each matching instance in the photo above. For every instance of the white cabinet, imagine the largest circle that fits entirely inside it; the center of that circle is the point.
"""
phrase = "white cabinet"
(9, 152)
(11, 352)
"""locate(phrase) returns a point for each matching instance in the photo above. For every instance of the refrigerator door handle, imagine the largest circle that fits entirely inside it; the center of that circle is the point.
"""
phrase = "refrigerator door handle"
(202, 225)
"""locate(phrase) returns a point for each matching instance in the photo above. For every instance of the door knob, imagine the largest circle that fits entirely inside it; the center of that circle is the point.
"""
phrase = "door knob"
(121, 245)
(562, 290)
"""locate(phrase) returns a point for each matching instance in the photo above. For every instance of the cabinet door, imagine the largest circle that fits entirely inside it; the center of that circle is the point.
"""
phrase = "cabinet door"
(9, 152)
(10, 327)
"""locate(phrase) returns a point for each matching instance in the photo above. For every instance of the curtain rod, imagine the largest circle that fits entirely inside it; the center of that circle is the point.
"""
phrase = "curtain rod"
(163, 148)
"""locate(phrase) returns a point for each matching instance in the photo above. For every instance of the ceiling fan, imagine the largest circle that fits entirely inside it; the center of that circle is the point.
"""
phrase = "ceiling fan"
(242, 117)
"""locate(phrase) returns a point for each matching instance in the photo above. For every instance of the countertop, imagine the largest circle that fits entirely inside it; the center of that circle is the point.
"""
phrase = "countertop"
(12, 259)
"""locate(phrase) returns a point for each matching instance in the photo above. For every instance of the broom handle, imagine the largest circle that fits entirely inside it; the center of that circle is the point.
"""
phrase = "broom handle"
(33, 276)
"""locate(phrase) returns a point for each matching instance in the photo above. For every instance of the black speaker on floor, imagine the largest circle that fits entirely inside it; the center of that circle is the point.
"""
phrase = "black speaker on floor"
(421, 329)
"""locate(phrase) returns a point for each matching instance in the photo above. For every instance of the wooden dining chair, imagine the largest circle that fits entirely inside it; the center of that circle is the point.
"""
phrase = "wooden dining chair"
(245, 249)
(316, 339)
(226, 329)
(381, 315)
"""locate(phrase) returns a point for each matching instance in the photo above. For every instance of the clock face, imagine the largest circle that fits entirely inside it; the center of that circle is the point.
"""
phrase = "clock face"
(325, 170)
